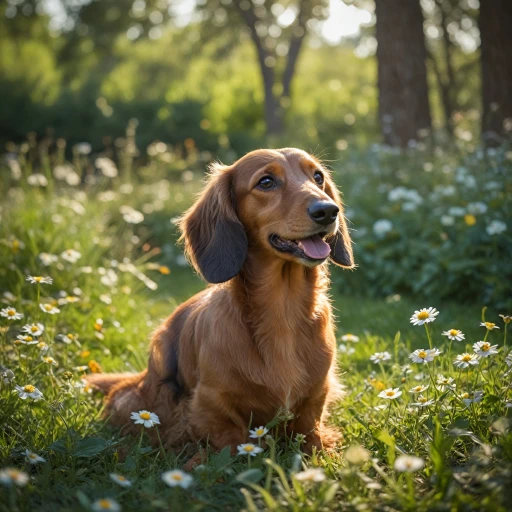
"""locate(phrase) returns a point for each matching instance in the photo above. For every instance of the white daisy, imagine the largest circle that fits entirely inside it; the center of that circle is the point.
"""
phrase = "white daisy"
(10, 314)
(12, 476)
(422, 401)
(120, 479)
(177, 478)
(71, 255)
(346, 350)
(33, 458)
(48, 308)
(50, 360)
(106, 504)
(351, 338)
(454, 335)
(409, 463)
(472, 398)
(311, 475)
(424, 355)
(39, 280)
(424, 316)
(258, 433)
(485, 349)
(26, 339)
(33, 329)
(465, 360)
(146, 418)
(249, 449)
(489, 325)
(390, 393)
(379, 357)
(445, 382)
(47, 259)
(418, 389)
(29, 391)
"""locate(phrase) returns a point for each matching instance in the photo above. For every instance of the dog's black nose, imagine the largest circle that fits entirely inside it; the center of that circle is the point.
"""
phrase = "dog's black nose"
(323, 212)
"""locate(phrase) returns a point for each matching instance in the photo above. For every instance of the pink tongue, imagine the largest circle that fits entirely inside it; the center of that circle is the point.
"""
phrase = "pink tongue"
(315, 247)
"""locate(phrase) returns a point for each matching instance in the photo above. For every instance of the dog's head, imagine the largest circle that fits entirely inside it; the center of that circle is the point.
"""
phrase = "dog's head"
(280, 202)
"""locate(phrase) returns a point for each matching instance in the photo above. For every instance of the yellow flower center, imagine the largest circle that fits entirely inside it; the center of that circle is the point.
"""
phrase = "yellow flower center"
(422, 399)
(249, 448)
(70, 336)
(34, 328)
(32, 456)
(145, 415)
(485, 347)
(177, 477)
(48, 307)
(29, 388)
(465, 395)
(28, 338)
(41, 344)
(121, 478)
(259, 432)
(489, 325)
(422, 354)
(38, 279)
(453, 332)
(422, 315)
(390, 393)
(466, 358)
(105, 504)
(11, 312)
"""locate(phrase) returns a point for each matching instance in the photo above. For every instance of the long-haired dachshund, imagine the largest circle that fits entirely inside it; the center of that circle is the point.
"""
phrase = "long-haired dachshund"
(261, 338)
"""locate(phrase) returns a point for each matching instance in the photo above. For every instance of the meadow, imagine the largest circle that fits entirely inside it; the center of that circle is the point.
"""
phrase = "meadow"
(89, 267)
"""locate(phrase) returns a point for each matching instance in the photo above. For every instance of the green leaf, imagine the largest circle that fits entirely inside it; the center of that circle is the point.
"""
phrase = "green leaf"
(250, 476)
(223, 459)
(90, 446)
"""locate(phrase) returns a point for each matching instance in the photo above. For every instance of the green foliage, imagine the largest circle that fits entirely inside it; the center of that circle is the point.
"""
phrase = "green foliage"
(424, 222)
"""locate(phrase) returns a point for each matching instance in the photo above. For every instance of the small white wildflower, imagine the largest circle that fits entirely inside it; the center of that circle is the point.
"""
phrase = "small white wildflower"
(380, 357)
(13, 476)
(33, 458)
(146, 418)
(26, 339)
(496, 227)
(120, 479)
(70, 255)
(485, 349)
(11, 314)
(424, 316)
(249, 449)
(33, 329)
(310, 475)
(47, 259)
(454, 334)
(445, 382)
(29, 391)
(48, 308)
(346, 350)
(422, 401)
(39, 280)
(409, 463)
(258, 433)
(351, 338)
(418, 389)
(390, 393)
(465, 360)
(106, 504)
(489, 325)
(382, 227)
(177, 478)
(424, 355)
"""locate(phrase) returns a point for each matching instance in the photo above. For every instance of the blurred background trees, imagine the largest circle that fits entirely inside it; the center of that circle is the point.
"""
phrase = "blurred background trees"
(229, 74)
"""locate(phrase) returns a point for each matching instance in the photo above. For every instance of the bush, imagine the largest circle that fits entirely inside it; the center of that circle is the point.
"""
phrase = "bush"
(430, 224)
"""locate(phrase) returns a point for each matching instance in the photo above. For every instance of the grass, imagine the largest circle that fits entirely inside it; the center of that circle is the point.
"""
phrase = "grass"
(465, 449)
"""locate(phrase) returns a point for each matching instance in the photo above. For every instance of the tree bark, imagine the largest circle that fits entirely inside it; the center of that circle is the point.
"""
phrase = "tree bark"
(496, 53)
(404, 107)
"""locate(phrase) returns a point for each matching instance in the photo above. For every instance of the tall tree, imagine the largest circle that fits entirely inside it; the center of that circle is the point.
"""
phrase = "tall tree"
(277, 32)
(496, 51)
(402, 77)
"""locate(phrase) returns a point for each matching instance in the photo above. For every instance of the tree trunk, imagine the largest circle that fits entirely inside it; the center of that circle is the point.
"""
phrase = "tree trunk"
(496, 54)
(402, 77)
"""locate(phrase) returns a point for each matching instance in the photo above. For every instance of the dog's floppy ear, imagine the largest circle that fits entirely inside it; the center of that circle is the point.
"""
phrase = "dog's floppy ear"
(215, 240)
(341, 244)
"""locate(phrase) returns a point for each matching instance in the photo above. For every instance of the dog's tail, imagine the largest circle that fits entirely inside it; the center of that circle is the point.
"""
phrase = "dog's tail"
(104, 382)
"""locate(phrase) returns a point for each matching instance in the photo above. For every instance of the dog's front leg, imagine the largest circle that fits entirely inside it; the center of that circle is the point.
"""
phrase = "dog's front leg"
(310, 423)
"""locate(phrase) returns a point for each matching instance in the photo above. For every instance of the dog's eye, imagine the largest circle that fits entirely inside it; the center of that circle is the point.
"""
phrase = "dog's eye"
(266, 183)
(319, 178)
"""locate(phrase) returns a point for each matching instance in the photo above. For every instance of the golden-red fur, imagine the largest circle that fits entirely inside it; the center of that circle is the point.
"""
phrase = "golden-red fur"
(262, 339)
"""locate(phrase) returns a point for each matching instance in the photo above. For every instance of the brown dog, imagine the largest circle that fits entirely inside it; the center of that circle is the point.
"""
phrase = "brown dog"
(261, 338)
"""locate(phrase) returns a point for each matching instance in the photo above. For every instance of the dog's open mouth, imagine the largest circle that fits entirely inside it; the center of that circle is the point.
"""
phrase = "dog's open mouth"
(313, 247)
